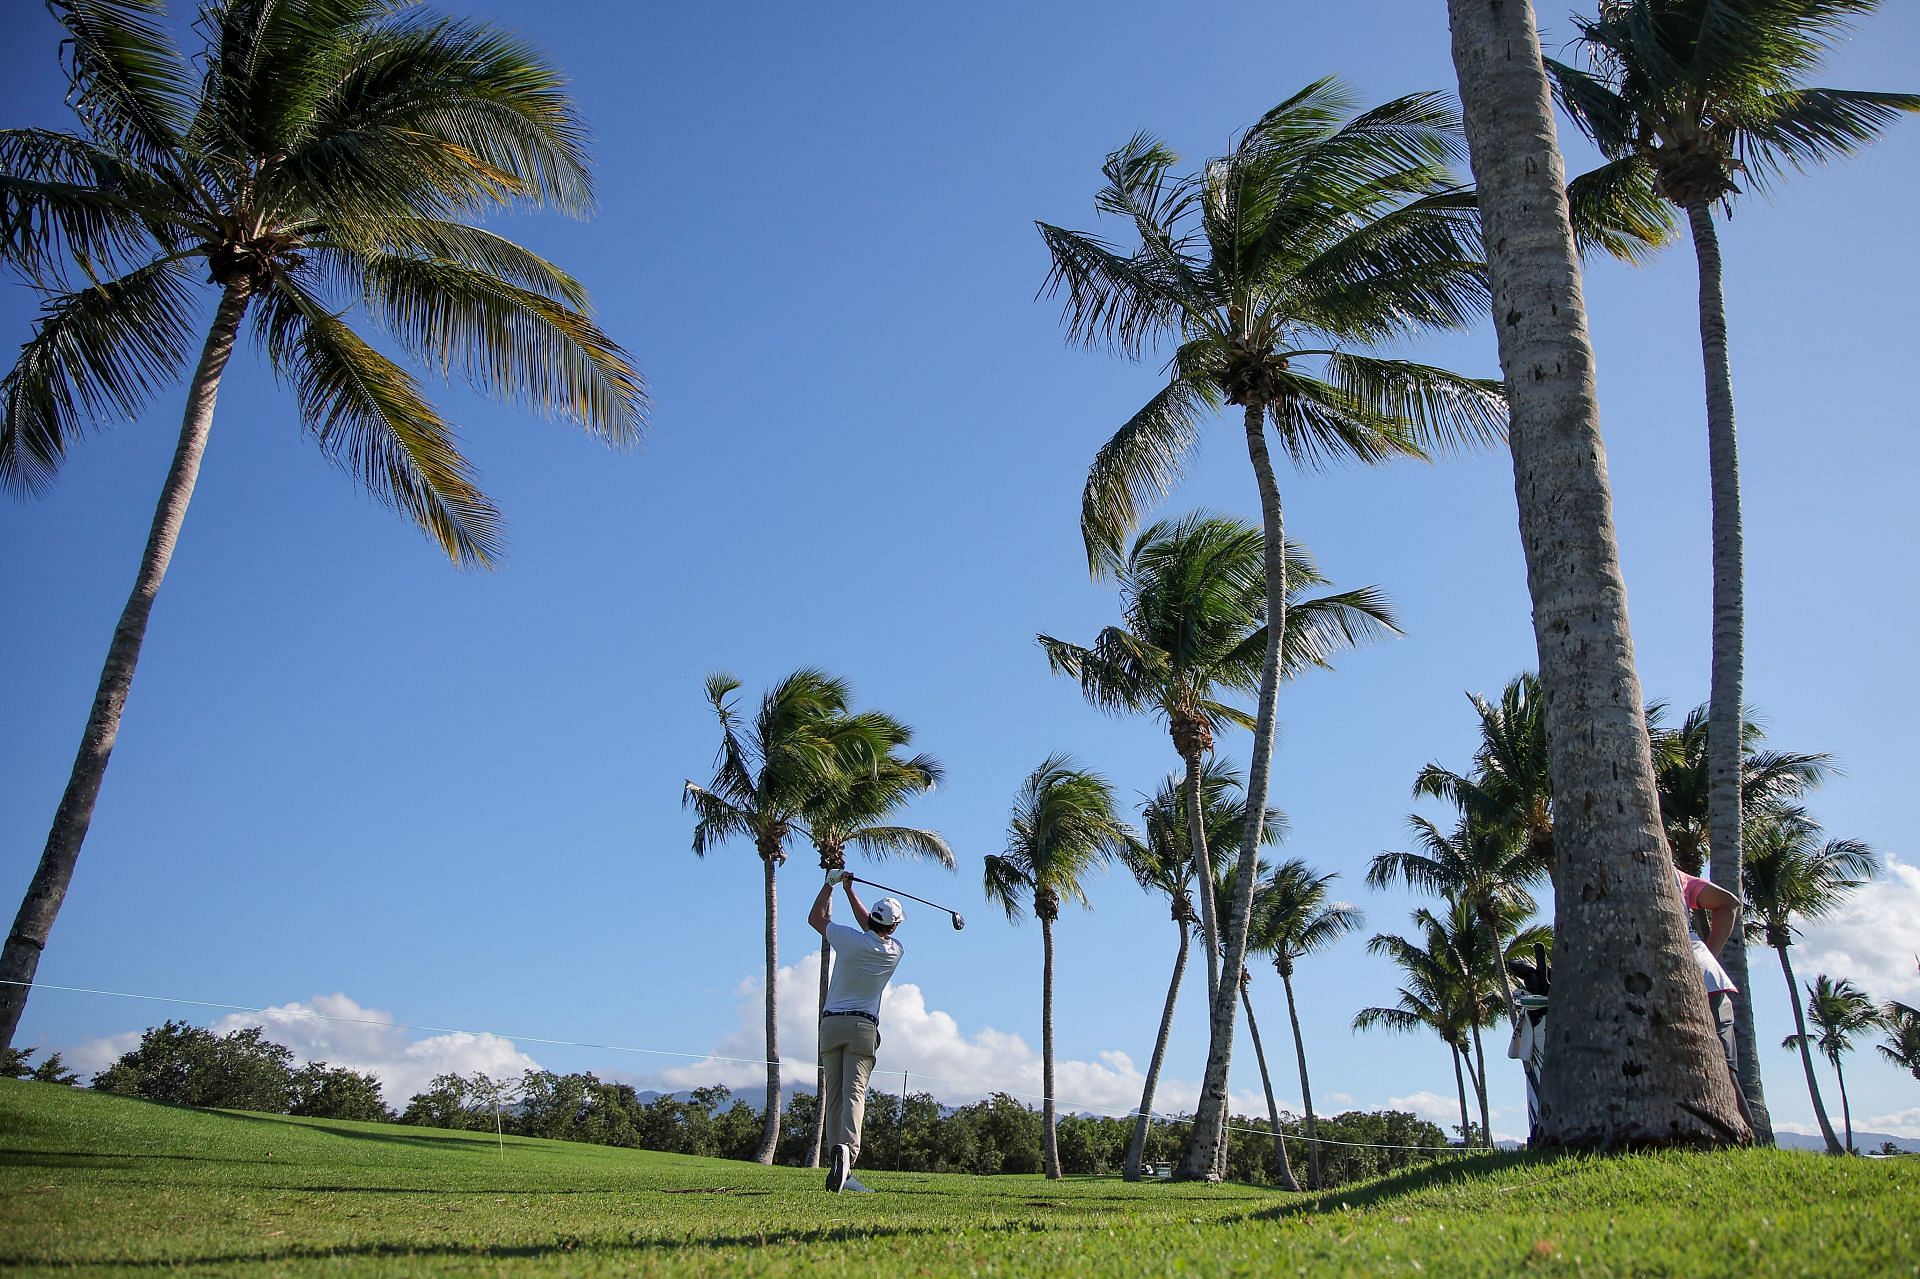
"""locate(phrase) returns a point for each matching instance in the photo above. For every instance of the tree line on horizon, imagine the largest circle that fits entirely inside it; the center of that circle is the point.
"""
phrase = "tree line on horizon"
(330, 155)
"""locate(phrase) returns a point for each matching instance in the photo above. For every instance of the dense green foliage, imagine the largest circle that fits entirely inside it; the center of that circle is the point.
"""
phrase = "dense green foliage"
(188, 1065)
(105, 1183)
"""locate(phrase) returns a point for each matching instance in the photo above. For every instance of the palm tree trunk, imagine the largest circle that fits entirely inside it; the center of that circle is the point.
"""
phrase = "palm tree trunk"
(1460, 1089)
(1202, 1160)
(1050, 1135)
(28, 940)
(1137, 1149)
(1203, 873)
(1630, 1038)
(1287, 1178)
(1306, 1089)
(1846, 1107)
(770, 1131)
(1480, 1086)
(820, 1071)
(1725, 838)
(1806, 1056)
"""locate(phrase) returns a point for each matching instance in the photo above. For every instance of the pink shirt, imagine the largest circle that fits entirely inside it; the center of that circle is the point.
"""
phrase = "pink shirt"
(1716, 978)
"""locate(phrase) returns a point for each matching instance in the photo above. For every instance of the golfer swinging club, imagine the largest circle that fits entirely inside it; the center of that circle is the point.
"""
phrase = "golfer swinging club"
(863, 962)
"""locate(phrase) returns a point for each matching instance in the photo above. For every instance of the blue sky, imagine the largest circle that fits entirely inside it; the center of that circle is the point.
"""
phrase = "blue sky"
(348, 770)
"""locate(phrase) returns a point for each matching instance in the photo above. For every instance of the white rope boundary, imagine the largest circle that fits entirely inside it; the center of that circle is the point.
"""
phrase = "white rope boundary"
(1135, 1113)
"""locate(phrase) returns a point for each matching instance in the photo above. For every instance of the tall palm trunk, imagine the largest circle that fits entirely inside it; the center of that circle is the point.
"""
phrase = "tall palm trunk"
(1203, 873)
(1806, 1056)
(1724, 730)
(1306, 1088)
(1480, 1086)
(1137, 1149)
(1628, 1046)
(1287, 1178)
(1050, 1136)
(1209, 1123)
(1460, 1090)
(770, 1131)
(1846, 1107)
(48, 889)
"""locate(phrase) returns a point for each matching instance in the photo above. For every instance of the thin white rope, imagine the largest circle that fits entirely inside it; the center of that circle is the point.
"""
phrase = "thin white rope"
(1135, 1113)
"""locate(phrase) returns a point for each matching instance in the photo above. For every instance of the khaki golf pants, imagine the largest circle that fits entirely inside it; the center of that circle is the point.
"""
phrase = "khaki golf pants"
(847, 1049)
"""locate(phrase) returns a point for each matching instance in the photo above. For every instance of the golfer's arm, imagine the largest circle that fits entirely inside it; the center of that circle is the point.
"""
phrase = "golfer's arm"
(1721, 906)
(859, 911)
(817, 918)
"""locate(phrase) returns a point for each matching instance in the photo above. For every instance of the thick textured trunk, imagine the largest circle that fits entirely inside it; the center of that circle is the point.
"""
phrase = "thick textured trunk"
(1724, 710)
(1203, 1152)
(1287, 1178)
(1137, 1150)
(1846, 1107)
(1460, 1090)
(1806, 1056)
(770, 1130)
(819, 1071)
(1306, 1088)
(1050, 1136)
(1203, 875)
(48, 889)
(1630, 1040)
(1480, 1087)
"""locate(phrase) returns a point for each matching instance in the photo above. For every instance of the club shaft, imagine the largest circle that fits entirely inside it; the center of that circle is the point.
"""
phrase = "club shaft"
(904, 893)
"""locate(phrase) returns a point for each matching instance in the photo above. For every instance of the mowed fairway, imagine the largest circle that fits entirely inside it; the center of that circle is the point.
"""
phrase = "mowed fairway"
(108, 1185)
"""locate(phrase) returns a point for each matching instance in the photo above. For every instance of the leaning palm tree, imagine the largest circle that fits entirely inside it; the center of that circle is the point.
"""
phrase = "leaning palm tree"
(852, 812)
(1791, 877)
(1770, 781)
(1703, 96)
(1273, 831)
(1193, 602)
(1435, 995)
(1840, 1010)
(1162, 862)
(1510, 787)
(1294, 919)
(1630, 1035)
(768, 777)
(1322, 232)
(1064, 825)
(1902, 1044)
(318, 158)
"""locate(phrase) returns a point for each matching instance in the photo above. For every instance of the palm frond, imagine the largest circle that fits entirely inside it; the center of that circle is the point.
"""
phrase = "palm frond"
(368, 416)
(1617, 209)
(130, 85)
(1799, 128)
(1138, 467)
(1119, 301)
(96, 353)
(1443, 410)
(719, 820)
(886, 842)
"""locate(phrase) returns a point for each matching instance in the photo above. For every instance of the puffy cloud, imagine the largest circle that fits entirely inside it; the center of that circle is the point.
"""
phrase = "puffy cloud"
(1901, 1123)
(340, 1031)
(935, 1055)
(1872, 938)
(1430, 1106)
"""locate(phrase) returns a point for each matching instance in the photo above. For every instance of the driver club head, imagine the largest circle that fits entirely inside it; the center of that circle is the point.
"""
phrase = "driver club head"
(958, 922)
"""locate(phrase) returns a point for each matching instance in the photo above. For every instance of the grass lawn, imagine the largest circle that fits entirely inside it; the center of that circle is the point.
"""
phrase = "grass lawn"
(104, 1184)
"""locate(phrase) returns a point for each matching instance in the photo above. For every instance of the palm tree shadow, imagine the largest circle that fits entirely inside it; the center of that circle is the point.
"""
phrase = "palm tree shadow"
(1410, 1181)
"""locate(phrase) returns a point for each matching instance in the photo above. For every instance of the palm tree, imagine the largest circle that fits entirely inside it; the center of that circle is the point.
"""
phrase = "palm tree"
(1701, 96)
(1294, 919)
(1769, 782)
(1320, 232)
(1902, 1046)
(1485, 869)
(1511, 786)
(1272, 831)
(1840, 1010)
(1791, 876)
(1064, 824)
(317, 156)
(1162, 862)
(1435, 995)
(1193, 601)
(1629, 1006)
(851, 812)
(768, 777)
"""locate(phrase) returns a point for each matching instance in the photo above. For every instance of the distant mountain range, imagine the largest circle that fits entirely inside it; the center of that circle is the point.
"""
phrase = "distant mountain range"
(1865, 1142)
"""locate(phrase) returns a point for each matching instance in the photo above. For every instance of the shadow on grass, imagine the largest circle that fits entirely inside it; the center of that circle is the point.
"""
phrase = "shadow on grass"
(562, 1246)
(16, 1158)
(1408, 1181)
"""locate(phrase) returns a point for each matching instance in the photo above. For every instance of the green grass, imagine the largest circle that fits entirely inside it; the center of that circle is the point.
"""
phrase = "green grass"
(107, 1185)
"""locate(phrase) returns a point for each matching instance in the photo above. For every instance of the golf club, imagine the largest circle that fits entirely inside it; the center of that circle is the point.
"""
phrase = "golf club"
(958, 922)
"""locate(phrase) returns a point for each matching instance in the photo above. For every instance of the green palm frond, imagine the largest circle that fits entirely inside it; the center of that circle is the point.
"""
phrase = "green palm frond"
(1799, 128)
(1443, 410)
(1320, 424)
(1114, 300)
(98, 353)
(368, 415)
(68, 205)
(885, 842)
(1138, 467)
(719, 819)
(130, 85)
(475, 248)
(1617, 209)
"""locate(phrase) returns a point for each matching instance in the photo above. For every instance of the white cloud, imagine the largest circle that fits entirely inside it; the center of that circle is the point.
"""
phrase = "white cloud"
(1430, 1106)
(1901, 1123)
(928, 1045)
(1874, 938)
(340, 1031)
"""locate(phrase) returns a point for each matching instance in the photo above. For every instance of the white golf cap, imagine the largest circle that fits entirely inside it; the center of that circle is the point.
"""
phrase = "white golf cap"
(887, 912)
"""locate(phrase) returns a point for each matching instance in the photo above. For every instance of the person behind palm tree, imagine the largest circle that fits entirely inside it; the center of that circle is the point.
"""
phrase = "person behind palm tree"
(850, 1026)
(1722, 908)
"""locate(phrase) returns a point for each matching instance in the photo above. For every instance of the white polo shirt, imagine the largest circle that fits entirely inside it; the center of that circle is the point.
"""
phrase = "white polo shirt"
(863, 963)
